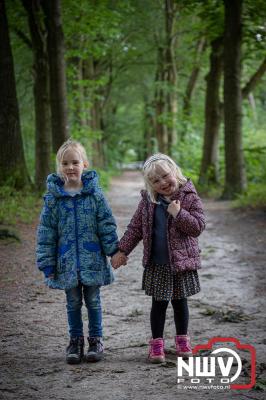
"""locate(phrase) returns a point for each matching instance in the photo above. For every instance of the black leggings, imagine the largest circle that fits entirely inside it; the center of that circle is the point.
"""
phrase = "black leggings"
(158, 313)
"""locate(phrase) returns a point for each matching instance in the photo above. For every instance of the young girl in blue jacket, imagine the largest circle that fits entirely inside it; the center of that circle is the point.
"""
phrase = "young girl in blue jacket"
(76, 233)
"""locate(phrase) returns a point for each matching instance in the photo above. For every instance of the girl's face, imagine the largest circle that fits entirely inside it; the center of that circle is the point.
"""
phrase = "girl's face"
(72, 167)
(163, 181)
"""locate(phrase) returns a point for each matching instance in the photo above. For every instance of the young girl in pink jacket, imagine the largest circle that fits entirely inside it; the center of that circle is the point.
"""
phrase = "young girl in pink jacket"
(169, 219)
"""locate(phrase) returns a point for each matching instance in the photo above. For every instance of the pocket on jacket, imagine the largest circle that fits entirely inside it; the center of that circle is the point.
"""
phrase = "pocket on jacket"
(92, 247)
(92, 256)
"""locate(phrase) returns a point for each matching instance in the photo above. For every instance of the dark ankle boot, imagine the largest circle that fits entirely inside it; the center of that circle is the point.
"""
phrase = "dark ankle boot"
(75, 350)
(95, 350)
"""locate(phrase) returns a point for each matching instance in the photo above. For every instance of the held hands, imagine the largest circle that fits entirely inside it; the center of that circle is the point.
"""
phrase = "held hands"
(118, 259)
(174, 208)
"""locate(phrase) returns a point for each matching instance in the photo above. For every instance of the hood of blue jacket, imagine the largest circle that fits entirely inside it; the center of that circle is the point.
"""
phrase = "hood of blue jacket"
(55, 185)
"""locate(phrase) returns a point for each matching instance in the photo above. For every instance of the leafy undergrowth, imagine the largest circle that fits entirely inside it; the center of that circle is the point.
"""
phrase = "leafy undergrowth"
(18, 206)
(254, 197)
(25, 205)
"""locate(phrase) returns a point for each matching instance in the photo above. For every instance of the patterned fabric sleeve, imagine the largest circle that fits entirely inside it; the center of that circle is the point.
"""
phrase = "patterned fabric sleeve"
(47, 236)
(192, 221)
(133, 234)
(106, 226)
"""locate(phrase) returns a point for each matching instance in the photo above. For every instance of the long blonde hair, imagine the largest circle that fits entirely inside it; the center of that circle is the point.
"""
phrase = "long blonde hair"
(70, 144)
(165, 163)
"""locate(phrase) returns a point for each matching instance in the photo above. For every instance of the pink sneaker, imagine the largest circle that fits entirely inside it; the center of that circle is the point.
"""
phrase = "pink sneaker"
(156, 351)
(183, 346)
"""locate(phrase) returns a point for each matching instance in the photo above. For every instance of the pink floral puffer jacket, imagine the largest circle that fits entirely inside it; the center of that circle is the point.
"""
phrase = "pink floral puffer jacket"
(182, 231)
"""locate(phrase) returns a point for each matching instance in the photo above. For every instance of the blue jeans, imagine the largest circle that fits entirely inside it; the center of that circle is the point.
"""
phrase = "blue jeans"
(92, 301)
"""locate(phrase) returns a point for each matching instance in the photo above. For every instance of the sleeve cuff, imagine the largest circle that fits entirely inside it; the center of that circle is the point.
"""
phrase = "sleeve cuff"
(113, 252)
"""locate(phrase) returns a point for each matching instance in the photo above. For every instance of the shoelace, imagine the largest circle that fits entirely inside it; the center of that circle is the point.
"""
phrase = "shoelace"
(95, 343)
(183, 344)
(157, 348)
(74, 345)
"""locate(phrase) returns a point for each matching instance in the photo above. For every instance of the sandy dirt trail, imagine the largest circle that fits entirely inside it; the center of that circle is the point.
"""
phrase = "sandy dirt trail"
(34, 327)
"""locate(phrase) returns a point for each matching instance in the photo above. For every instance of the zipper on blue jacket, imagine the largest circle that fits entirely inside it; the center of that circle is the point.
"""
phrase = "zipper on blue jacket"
(76, 230)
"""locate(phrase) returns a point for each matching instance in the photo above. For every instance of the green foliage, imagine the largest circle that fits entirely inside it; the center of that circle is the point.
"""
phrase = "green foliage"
(254, 197)
(24, 206)
(111, 56)
(211, 17)
(18, 206)
(187, 153)
(254, 30)
(254, 144)
(104, 178)
(23, 59)
(125, 132)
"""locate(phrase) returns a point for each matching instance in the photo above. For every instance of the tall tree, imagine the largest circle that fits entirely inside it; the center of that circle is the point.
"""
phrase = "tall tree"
(254, 79)
(160, 101)
(96, 69)
(40, 90)
(94, 58)
(170, 71)
(214, 18)
(148, 127)
(57, 75)
(191, 84)
(213, 113)
(235, 180)
(166, 81)
(12, 162)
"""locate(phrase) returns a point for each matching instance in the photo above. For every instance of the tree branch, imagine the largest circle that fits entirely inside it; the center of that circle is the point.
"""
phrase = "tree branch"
(23, 37)
(254, 80)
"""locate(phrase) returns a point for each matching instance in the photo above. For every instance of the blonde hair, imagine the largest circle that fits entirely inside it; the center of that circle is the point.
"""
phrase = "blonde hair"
(70, 144)
(163, 162)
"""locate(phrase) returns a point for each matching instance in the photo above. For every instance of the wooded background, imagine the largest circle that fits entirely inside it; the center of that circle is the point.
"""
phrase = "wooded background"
(129, 78)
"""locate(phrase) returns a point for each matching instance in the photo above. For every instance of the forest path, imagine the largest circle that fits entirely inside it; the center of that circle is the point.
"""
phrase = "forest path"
(34, 327)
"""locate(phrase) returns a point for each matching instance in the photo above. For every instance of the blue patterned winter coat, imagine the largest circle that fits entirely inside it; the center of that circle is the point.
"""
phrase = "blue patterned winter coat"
(75, 235)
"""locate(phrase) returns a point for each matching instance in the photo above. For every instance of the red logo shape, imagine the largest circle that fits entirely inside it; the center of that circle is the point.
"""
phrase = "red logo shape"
(239, 346)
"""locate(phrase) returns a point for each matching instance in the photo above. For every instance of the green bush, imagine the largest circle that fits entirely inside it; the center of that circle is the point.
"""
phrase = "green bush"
(254, 197)
(18, 206)
(104, 178)
(25, 206)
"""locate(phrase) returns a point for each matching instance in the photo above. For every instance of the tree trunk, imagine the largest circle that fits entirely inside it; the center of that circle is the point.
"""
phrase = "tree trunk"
(149, 129)
(98, 158)
(214, 110)
(165, 83)
(170, 73)
(252, 104)
(40, 90)
(82, 118)
(191, 85)
(209, 163)
(55, 46)
(91, 70)
(253, 81)
(160, 104)
(235, 181)
(12, 162)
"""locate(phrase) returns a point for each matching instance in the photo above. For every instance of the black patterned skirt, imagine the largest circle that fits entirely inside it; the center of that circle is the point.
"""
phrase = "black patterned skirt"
(160, 282)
